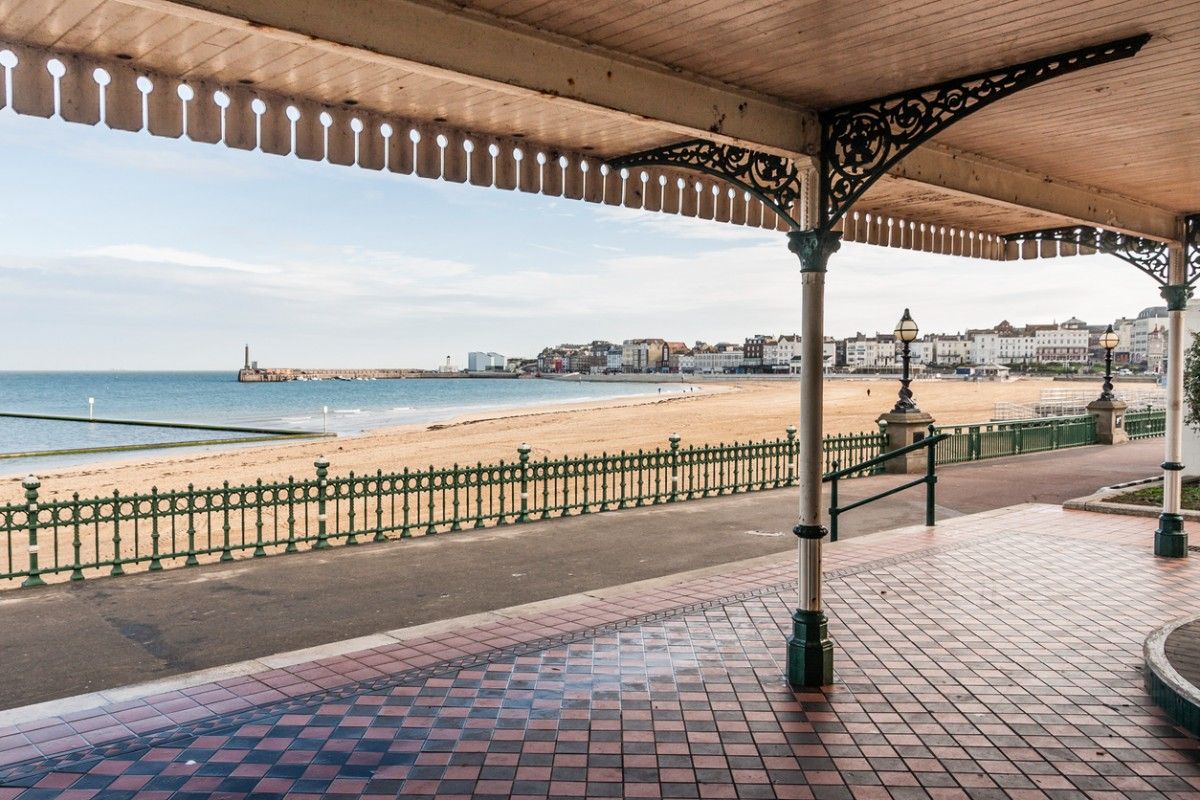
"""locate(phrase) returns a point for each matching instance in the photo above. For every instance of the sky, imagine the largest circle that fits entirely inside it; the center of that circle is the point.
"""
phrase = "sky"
(127, 251)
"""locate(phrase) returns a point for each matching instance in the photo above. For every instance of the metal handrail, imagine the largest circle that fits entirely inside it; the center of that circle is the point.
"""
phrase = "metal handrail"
(929, 479)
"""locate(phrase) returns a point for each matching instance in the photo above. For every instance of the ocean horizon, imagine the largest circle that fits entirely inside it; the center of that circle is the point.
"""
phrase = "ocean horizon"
(217, 398)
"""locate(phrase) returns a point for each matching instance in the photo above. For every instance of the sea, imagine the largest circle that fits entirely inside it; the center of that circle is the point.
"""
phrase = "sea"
(346, 408)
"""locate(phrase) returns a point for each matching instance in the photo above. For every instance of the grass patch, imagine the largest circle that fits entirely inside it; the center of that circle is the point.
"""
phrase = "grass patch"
(1152, 496)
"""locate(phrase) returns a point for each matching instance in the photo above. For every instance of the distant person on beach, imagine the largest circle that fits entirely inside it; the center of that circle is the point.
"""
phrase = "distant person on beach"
(868, 392)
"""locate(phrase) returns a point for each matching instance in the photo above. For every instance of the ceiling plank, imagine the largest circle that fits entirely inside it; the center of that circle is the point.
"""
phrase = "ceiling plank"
(976, 177)
(453, 44)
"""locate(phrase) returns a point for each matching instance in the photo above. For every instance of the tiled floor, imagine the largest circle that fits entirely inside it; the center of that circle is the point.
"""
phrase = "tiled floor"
(1182, 650)
(998, 656)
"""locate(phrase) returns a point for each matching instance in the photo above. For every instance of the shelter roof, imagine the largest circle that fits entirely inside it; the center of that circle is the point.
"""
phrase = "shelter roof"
(569, 83)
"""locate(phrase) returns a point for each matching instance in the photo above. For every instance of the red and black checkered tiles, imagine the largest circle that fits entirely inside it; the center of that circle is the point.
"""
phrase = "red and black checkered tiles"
(996, 658)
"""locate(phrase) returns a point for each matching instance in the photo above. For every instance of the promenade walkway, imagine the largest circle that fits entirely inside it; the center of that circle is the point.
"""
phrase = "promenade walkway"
(71, 639)
(996, 656)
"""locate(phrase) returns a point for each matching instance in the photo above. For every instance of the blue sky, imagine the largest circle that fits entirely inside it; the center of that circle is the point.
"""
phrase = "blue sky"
(133, 252)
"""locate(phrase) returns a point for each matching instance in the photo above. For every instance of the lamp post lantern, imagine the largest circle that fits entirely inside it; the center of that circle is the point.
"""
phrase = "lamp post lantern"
(905, 424)
(1109, 341)
(1107, 410)
(906, 333)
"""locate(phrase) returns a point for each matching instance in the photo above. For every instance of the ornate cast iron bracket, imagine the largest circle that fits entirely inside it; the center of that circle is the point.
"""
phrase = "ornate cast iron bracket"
(862, 141)
(1150, 256)
(774, 180)
(1191, 244)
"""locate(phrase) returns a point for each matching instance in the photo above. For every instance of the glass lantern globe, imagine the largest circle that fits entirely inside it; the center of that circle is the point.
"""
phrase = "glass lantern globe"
(906, 328)
(1109, 339)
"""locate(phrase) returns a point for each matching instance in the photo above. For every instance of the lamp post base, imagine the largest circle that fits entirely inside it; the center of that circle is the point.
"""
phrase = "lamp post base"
(809, 650)
(903, 429)
(1170, 540)
(1110, 421)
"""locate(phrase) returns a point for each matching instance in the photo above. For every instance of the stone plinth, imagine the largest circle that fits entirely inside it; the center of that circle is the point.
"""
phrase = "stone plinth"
(904, 429)
(1110, 421)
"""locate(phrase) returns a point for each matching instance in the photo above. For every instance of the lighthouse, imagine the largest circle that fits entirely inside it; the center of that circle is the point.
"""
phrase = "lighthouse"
(247, 357)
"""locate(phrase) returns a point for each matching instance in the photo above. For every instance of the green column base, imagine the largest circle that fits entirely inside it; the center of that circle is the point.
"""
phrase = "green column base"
(1169, 540)
(809, 650)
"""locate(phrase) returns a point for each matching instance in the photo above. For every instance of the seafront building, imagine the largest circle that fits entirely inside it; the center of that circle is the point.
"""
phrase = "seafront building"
(479, 361)
(1069, 345)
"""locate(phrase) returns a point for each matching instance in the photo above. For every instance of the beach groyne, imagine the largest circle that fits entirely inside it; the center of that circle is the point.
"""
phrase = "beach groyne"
(243, 435)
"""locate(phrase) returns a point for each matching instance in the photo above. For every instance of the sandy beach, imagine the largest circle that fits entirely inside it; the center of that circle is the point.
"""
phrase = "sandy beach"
(715, 413)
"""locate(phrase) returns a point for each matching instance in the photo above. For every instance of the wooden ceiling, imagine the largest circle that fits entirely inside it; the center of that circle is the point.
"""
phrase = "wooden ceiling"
(1128, 129)
(1132, 127)
(229, 54)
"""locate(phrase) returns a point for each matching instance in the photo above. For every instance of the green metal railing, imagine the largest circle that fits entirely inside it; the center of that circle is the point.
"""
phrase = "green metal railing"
(75, 537)
(929, 443)
(853, 448)
(1146, 423)
(975, 441)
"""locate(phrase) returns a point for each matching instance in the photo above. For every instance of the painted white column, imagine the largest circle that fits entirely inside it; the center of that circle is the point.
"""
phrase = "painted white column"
(1170, 539)
(811, 466)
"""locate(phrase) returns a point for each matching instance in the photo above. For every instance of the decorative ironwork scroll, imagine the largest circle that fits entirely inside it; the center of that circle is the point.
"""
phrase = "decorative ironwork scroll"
(1191, 246)
(1150, 256)
(862, 141)
(774, 180)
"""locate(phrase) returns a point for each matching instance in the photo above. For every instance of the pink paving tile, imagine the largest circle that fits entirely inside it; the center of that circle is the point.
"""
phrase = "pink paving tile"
(946, 628)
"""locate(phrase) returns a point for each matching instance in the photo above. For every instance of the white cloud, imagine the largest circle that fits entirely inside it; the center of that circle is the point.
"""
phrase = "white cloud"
(151, 254)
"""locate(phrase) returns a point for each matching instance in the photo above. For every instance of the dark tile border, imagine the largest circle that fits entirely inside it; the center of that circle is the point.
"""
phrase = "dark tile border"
(82, 760)
(1175, 694)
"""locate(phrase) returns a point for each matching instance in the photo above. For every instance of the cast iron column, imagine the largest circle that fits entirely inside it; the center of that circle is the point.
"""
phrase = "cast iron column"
(809, 650)
(1170, 539)
(1106, 391)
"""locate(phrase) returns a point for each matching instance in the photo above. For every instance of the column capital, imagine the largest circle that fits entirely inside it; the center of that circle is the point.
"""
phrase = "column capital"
(1176, 295)
(814, 247)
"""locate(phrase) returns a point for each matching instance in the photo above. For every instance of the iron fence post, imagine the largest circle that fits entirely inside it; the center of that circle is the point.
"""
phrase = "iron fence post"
(456, 523)
(405, 528)
(833, 504)
(226, 552)
(379, 535)
(191, 559)
(31, 485)
(155, 562)
(674, 440)
(77, 543)
(523, 457)
(259, 550)
(584, 464)
(641, 469)
(117, 569)
(930, 477)
(502, 481)
(322, 466)
(479, 483)
(430, 507)
(291, 517)
(351, 536)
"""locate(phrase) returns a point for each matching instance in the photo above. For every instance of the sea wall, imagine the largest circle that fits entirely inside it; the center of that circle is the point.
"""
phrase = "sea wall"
(280, 374)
